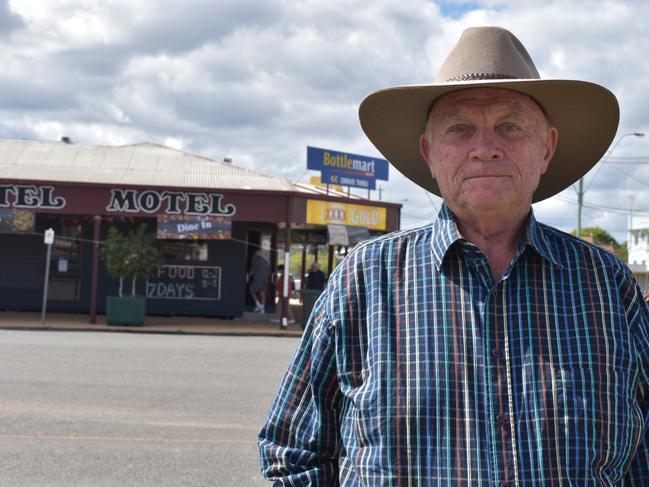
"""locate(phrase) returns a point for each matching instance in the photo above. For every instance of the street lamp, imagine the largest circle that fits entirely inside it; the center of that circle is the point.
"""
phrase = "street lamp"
(581, 191)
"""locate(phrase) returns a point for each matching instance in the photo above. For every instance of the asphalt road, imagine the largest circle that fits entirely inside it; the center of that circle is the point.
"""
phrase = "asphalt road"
(110, 409)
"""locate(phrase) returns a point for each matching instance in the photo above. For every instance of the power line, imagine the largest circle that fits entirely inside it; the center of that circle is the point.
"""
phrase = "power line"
(631, 176)
(581, 191)
(634, 178)
(630, 161)
(430, 200)
(411, 216)
(611, 209)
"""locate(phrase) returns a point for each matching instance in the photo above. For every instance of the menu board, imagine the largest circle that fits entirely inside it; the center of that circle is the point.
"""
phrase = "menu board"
(185, 282)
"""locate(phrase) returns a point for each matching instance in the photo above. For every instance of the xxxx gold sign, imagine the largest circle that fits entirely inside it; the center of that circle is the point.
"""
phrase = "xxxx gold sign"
(327, 212)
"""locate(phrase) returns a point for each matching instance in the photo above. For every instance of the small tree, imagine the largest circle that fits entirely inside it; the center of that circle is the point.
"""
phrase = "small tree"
(132, 256)
(112, 253)
(602, 237)
(599, 236)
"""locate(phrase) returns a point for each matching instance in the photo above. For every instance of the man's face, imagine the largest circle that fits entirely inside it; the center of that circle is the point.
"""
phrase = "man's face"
(487, 148)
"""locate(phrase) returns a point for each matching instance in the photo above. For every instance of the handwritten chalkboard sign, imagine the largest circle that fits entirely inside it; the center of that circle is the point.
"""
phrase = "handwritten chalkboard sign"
(185, 282)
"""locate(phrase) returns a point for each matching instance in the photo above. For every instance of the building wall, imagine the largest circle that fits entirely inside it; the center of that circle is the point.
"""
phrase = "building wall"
(638, 241)
(176, 291)
(22, 269)
(22, 264)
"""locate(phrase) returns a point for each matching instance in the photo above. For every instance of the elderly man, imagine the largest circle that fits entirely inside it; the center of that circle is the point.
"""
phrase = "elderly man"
(487, 348)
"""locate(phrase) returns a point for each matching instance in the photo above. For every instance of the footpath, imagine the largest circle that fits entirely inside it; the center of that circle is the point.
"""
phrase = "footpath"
(252, 326)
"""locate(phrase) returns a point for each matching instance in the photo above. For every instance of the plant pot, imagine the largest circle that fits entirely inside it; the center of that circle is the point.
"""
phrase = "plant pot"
(125, 310)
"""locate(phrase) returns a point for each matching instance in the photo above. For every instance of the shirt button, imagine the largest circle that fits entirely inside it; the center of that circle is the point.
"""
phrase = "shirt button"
(501, 418)
(495, 353)
(504, 484)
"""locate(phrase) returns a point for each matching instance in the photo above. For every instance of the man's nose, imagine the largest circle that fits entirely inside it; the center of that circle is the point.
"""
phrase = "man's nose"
(486, 147)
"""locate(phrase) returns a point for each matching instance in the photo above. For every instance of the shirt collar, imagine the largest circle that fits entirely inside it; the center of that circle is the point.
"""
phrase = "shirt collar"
(446, 233)
(537, 239)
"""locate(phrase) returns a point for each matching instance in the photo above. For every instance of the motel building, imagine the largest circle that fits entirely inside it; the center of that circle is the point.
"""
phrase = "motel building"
(209, 217)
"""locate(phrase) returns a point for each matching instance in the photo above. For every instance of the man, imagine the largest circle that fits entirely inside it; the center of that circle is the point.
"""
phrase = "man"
(315, 279)
(486, 349)
(258, 280)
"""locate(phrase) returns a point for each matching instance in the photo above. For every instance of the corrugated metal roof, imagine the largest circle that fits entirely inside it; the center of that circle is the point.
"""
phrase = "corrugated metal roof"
(321, 190)
(143, 164)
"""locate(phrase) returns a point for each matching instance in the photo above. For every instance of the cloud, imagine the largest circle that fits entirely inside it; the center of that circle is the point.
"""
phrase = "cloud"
(9, 21)
(259, 80)
(188, 25)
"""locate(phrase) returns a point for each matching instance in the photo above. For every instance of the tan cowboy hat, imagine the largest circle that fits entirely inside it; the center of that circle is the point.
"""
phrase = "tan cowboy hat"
(586, 114)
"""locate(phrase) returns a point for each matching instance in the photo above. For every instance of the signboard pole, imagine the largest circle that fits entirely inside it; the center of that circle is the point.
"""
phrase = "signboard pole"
(285, 296)
(95, 269)
(287, 257)
(330, 260)
(49, 240)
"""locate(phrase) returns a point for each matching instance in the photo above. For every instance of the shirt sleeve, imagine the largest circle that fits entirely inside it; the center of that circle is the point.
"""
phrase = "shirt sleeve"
(638, 473)
(299, 442)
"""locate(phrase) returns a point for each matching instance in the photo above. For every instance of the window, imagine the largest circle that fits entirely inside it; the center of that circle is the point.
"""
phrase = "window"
(179, 252)
(66, 258)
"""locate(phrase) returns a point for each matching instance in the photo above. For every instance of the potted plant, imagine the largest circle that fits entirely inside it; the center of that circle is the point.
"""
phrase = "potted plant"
(132, 257)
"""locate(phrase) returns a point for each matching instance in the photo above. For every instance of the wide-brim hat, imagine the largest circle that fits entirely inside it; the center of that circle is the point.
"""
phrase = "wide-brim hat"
(585, 114)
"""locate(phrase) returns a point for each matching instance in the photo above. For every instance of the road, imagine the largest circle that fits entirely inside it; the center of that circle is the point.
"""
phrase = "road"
(111, 409)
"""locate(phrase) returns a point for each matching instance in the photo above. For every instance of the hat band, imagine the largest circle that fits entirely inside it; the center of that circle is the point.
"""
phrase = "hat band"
(478, 76)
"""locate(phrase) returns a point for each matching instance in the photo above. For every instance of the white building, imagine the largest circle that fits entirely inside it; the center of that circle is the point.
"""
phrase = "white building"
(638, 242)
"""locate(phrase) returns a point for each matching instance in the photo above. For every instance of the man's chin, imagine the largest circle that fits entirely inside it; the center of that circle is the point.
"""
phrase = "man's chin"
(489, 194)
(492, 202)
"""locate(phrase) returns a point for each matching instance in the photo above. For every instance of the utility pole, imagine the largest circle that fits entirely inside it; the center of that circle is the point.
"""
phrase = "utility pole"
(580, 204)
(630, 230)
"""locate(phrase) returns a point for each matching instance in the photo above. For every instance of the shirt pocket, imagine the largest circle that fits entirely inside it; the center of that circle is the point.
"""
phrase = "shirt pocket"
(595, 410)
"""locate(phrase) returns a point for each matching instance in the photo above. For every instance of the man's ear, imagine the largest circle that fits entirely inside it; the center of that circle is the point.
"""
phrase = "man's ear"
(424, 150)
(551, 140)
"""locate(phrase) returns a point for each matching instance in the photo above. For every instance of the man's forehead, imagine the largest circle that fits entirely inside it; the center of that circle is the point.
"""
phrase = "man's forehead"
(495, 98)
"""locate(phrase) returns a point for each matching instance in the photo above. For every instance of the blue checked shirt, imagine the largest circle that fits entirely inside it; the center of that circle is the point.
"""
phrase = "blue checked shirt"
(418, 369)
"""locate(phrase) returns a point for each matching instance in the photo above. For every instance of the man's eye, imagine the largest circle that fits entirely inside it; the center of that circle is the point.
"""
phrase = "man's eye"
(458, 129)
(508, 127)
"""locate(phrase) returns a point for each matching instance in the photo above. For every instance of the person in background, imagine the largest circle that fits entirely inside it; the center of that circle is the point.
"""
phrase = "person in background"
(315, 278)
(258, 280)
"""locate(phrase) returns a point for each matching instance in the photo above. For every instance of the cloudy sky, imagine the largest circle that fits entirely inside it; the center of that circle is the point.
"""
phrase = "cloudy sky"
(258, 81)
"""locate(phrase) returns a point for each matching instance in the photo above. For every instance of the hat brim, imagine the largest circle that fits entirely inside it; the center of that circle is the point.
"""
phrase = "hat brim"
(585, 114)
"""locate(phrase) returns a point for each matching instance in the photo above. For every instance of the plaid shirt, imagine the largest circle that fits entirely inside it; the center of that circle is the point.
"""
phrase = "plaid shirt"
(416, 369)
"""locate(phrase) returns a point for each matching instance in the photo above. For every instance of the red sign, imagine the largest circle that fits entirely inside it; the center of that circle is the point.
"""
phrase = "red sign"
(115, 201)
